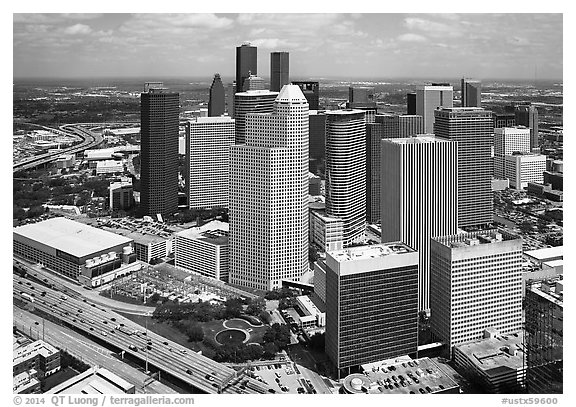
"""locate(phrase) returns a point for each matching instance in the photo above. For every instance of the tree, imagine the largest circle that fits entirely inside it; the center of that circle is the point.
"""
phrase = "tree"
(194, 332)
(256, 306)
(233, 308)
(269, 350)
(265, 317)
(317, 341)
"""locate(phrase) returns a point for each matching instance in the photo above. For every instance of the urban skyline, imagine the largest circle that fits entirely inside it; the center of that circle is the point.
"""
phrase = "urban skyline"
(389, 45)
(251, 235)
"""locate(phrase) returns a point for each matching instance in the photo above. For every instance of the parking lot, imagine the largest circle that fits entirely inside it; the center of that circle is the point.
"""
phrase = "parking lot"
(283, 377)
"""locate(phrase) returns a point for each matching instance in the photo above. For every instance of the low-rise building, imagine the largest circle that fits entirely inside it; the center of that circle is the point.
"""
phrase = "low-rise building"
(39, 355)
(496, 362)
(204, 250)
(77, 251)
(310, 316)
(26, 383)
(65, 161)
(109, 167)
(94, 381)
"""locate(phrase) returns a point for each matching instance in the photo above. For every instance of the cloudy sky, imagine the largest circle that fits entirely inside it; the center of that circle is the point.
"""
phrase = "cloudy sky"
(320, 45)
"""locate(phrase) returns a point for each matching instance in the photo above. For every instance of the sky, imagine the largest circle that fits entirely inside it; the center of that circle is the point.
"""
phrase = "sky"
(346, 45)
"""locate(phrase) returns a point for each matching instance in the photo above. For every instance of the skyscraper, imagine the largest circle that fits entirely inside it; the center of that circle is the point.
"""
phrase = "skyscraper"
(311, 91)
(385, 126)
(252, 101)
(217, 101)
(471, 92)
(471, 127)
(279, 70)
(269, 195)
(419, 197)
(208, 141)
(475, 284)
(346, 171)
(508, 140)
(159, 111)
(317, 139)
(431, 97)
(230, 92)
(371, 303)
(411, 103)
(246, 63)
(527, 115)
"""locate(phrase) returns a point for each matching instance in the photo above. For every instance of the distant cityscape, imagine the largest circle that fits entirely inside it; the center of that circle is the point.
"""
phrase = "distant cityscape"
(265, 233)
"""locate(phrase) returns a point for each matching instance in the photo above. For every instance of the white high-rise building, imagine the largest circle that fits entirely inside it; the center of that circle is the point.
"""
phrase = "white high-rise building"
(508, 140)
(419, 197)
(476, 284)
(346, 171)
(208, 141)
(269, 195)
(431, 97)
(251, 101)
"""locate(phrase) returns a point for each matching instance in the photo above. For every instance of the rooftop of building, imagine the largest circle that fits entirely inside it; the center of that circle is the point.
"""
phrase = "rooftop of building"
(71, 237)
(551, 290)
(436, 86)
(407, 377)
(370, 252)
(256, 92)
(309, 307)
(212, 119)
(476, 238)
(291, 94)
(93, 381)
(25, 352)
(495, 354)
(548, 253)
(340, 112)
(419, 139)
(215, 232)
(321, 213)
(25, 380)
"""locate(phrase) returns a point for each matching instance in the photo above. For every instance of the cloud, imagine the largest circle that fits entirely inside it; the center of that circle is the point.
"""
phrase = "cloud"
(78, 29)
(267, 43)
(52, 18)
(433, 28)
(410, 37)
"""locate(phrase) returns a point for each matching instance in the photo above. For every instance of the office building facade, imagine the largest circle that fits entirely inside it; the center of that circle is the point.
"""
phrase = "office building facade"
(371, 304)
(419, 197)
(384, 126)
(471, 92)
(246, 64)
(311, 91)
(544, 336)
(269, 195)
(508, 140)
(411, 103)
(472, 128)
(521, 169)
(475, 284)
(429, 98)
(217, 100)
(503, 120)
(253, 101)
(317, 126)
(253, 82)
(346, 171)
(159, 111)
(121, 195)
(279, 70)
(206, 172)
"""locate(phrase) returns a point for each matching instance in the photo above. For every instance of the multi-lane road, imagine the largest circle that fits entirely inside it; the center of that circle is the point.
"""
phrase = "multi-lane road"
(106, 326)
(85, 349)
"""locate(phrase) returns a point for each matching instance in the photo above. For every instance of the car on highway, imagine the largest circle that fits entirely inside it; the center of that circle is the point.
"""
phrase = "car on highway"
(104, 333)
(132, 347)
(189, 371)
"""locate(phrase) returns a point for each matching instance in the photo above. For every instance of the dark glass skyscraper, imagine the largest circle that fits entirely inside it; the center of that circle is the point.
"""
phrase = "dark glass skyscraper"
(246, 64)
(159, 111)
(371, 303)
(528, 116)
(471, 92)
(311, 91)
(217, 101)
(472, 128)
(411, 103)
(279, 70)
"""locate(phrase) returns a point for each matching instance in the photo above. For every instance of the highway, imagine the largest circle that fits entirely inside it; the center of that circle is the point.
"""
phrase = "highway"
(109, 327)
(85, 349)
(89, 140)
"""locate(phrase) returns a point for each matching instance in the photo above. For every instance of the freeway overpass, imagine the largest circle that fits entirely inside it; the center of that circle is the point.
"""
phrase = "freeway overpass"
(120, 333)
(82, 130)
